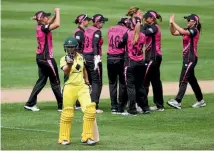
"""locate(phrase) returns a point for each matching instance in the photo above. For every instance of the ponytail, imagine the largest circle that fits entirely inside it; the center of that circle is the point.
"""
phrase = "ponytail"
(34, 18)
(136, 33)
(159, 17)
(132, 11)
(199, 27)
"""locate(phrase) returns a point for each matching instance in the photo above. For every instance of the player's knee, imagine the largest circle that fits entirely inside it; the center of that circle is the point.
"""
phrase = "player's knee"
(67, 114)
(90, 112)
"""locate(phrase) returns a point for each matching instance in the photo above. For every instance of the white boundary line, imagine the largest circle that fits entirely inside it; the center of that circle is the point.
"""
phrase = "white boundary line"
(27, 129)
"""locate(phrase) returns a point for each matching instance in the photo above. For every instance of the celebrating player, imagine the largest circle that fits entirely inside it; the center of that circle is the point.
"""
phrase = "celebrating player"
(191, 35)
(75, 87)
(92, 54)
(82, 20)
(135, 69)
(44, 58)
(115, 66)
(135, 12)
(153, 58)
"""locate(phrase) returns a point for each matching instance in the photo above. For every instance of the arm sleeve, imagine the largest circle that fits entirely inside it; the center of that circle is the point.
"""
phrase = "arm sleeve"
(80, 38)
(96, 40)
(149, 31)
(193, 32)
(62, 62)
(123, 42)
(45, 28)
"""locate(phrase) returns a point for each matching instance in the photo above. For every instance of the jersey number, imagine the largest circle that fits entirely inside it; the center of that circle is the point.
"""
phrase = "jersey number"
(114, 41)
(137, 49)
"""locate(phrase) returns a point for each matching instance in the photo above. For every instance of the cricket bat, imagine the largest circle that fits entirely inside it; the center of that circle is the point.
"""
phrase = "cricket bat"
(96, 132)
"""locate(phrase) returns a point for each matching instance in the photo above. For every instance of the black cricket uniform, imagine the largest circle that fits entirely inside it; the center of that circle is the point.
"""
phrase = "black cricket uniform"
(115, 68)
(153, 61)
(47, 67)
(95, 76)
(189, 62)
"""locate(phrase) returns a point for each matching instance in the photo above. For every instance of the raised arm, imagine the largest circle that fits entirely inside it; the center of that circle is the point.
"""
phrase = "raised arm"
(173, 30)
(51, 20)
(56, 22)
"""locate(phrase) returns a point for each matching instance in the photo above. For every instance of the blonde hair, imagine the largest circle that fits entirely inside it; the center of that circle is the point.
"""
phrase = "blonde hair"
(136, 35)
(132, 11)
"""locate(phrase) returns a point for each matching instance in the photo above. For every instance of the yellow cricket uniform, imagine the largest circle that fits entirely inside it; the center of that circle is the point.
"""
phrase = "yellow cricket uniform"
(74, 86)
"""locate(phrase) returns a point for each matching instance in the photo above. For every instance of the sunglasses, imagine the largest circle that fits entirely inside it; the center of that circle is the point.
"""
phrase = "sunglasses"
(189, 20)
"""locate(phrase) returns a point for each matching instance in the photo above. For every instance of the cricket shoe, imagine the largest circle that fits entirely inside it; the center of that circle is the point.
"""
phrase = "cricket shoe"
(64, 142)
(202, 103)
(33, 108)
(128, 114)
(59, 108)
(114, 111)
(154, 108)
(99, 111)
(173, 103)
(77, 107)
(89, 142)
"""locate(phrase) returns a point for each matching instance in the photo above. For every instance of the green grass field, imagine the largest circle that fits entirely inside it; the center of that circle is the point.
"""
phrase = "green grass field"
(173, 129)
(19, 44)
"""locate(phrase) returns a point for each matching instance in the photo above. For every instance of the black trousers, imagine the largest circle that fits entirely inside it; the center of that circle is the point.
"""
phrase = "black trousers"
(153, 75)
(47, 69)
(95, 79)
(188, 76)
(115, 67)
(136, 92)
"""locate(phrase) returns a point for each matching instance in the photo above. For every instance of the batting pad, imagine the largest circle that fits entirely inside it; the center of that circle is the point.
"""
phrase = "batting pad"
(67, 116)
(88, 121)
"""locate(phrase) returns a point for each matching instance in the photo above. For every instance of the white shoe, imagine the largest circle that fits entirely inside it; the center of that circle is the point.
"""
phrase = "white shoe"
(174, 103)
(89, 142)
(99, 111)
(199, 104)
(65, 143)
(59, 110)
(33, 108)
(77, 108)
(128, 114)
(154, 108)
(139, 109)
(113, 111)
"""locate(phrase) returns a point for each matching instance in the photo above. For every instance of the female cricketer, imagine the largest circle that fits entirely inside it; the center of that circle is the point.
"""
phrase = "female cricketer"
(134, 40)
(82, 20)
(135, 12)
(44, 58)
(75, 87)
(153, 58)
(115, 66)
(92, 53)
(190, 35)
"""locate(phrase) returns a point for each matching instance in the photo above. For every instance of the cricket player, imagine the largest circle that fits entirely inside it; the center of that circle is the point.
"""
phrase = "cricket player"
(75, 87)
(134, 67)
(153, 58)
(92, 53)
(190, 35)
(115, 66)
(47, 66)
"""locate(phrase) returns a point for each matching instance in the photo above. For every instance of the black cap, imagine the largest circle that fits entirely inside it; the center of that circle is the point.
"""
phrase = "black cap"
(124, 21)
(150, 13)
(82, 17)
(99, 18)
(135, 20)
(192, 17)
(40, 14)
